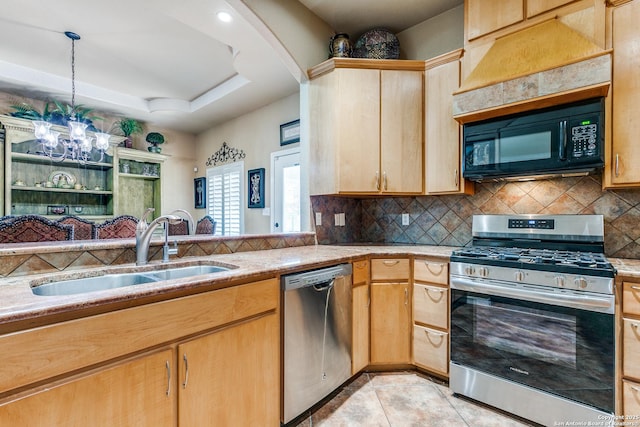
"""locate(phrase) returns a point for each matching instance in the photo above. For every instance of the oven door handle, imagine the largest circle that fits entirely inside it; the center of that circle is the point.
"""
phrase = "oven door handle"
(590, 302)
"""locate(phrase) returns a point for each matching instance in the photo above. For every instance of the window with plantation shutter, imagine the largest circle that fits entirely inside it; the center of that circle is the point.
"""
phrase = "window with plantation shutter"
(224, 198)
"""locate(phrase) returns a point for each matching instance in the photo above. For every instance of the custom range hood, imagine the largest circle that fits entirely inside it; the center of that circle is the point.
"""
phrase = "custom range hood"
(545, 65)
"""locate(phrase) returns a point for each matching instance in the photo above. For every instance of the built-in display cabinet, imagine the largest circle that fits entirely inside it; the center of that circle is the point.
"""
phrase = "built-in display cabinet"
(123, 181)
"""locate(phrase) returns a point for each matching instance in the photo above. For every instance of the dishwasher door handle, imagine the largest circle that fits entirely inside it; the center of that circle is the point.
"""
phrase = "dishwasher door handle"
(324, 285)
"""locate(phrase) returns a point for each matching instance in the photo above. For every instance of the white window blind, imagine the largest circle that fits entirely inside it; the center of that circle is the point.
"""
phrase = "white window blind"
(224, 198)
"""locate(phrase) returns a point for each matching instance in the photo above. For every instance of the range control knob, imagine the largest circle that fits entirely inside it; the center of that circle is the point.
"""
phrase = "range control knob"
(580, 282)
(469, 270)
(559, 281)
(483, 272)
(519, 276)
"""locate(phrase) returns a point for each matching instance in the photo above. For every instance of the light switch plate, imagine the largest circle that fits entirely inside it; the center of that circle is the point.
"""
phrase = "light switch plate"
(405, 219)
(318, 218)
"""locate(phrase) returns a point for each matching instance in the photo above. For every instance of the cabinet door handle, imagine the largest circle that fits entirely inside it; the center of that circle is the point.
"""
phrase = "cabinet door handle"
(168, 378)
(186, 370)
(635, 288)
(377, 180)
(406, 296)
(617, 164)
(384, 178)
(455, 176)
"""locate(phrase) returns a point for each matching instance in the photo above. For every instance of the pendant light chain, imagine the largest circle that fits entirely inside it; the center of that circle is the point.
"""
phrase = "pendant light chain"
(73, 76)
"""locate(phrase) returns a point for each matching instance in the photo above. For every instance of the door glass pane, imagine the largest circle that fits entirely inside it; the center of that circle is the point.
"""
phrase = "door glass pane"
(291, 199)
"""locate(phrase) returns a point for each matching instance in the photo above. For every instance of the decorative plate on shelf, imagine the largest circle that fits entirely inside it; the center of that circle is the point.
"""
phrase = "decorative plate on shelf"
(62, 179)
(378, 43)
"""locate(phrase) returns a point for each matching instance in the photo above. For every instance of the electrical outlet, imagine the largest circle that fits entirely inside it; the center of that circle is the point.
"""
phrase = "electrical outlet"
(405, 219)
(318, 219)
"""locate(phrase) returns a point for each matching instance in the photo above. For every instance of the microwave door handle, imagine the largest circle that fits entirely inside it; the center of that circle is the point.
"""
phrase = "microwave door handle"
(563, 140)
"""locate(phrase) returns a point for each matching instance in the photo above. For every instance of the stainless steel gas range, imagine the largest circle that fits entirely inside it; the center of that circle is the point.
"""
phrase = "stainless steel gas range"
(532, 317)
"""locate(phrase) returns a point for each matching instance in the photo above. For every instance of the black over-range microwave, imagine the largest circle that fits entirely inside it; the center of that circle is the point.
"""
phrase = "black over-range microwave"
(566, 140)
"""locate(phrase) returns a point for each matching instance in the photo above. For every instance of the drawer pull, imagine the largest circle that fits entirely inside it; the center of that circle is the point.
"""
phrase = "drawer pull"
(439, 291)
(438, 335)
(390, 263)
(430, 264)
(635, 288)
(360, 266)
(186, 370)
(635, 388)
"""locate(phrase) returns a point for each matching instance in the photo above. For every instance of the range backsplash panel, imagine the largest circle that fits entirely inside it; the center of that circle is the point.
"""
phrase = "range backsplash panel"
(446, 220)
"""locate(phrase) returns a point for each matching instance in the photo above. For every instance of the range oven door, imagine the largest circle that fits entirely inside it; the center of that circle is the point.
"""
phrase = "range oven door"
(564, 351)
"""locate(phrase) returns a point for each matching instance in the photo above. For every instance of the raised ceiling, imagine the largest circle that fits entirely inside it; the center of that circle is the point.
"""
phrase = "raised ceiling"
(173, 64)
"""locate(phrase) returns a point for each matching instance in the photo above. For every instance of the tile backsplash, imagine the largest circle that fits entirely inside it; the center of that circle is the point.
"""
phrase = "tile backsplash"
(446, 220)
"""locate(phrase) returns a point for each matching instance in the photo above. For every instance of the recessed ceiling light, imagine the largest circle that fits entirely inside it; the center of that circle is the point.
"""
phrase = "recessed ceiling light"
(224, 16)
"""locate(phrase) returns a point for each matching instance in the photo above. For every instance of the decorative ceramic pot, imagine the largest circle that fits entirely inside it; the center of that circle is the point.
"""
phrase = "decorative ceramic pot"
(340, 46)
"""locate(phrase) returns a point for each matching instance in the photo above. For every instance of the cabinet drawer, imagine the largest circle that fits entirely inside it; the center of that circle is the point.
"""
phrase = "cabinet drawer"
(430, 305)
(431, 271)
(360, 272)
(630, 398)
(431, 349)
(631, 298)
(390, 269)
(631, 348)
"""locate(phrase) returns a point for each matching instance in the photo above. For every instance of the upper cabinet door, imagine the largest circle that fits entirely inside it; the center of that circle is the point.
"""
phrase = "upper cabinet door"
(484, 17)
(358, 122)
(401, 131)
(625, 94)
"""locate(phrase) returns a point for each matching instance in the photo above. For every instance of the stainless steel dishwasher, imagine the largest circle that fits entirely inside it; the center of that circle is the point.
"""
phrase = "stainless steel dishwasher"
(316, 336)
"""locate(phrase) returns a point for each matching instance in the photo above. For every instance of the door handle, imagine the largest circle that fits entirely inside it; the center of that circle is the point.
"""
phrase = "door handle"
(377, 180)
(168, 378)
(563, 140)
(186, 370)
(617, 164)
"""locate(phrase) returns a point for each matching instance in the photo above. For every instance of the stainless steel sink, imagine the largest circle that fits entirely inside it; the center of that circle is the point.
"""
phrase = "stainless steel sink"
(91, 284)
(180, 272)
(112, 281)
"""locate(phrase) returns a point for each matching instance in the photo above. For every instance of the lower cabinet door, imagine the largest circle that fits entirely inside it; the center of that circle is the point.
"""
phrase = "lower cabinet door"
(231, 377)
(390, 323)
(360, 325)
(139, 392)
(431, 349)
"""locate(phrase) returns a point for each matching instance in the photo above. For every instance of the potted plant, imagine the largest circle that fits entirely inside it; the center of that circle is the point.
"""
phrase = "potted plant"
(127, 127)
(155, 139)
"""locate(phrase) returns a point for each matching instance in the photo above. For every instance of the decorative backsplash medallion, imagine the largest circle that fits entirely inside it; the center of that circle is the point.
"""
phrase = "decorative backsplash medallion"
(446, 220)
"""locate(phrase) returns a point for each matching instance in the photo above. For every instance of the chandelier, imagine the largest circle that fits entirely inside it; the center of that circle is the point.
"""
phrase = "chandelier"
(78, 146)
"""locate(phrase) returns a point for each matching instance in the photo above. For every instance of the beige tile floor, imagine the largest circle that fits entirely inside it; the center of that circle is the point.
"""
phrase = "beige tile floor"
(404, 399)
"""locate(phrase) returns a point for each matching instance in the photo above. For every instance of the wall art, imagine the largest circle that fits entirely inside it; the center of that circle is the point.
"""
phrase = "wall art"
(200, 192)
(290, 132)
(256, 188)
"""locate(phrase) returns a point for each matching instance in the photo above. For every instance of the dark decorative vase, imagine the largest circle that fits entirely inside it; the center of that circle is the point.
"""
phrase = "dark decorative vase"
(340, 46)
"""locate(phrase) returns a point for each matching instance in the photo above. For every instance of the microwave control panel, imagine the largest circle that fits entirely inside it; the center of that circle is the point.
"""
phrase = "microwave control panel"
(583, 140)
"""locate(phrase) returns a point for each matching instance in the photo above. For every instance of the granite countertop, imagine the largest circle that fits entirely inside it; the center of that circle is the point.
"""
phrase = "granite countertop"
(20, 307)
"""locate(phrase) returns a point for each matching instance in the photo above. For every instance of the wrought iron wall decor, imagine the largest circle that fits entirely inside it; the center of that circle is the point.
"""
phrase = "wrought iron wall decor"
(256, 188)
(225, 154)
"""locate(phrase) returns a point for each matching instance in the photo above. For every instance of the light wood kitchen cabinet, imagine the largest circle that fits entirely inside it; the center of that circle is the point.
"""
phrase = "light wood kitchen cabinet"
(536, 7)
(630, 348)
(138, 392)
(242, 323)
(621, 168)
(390, 312)
(366, 127)
(484, 17)
(230, 377)
(443, 160)
(431, 315)
(360, 323)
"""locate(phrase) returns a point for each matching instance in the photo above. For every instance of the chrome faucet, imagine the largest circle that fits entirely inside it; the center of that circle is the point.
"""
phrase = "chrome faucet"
(192, 224)
(143, 239)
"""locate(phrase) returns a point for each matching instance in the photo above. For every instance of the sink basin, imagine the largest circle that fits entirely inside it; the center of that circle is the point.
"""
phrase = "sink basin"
(111, 281)
(180, 272)
(90, 284)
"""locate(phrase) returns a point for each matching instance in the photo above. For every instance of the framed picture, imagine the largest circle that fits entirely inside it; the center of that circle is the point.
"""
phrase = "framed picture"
(200, 192)
(256, 188)
(290, 132)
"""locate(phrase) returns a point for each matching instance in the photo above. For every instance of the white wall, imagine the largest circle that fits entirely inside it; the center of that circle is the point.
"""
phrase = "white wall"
(258, 135)
(435, 36)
